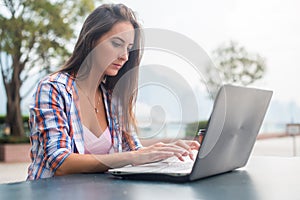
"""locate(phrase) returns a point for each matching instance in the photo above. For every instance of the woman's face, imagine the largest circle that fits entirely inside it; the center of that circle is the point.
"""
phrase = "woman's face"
(112, 49)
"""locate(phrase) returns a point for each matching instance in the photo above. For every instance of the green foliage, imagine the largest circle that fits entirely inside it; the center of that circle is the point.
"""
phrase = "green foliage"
(2, 119)
(35, 39)
(25, 119)
(14, 139)
(236, 65)
(37, 32)
(192, 128)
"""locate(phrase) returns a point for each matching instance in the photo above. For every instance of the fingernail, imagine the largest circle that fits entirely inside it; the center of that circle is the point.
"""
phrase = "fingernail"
(192, 157)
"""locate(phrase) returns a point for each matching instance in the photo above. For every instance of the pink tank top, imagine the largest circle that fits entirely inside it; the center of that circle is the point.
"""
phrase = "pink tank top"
(97, 145)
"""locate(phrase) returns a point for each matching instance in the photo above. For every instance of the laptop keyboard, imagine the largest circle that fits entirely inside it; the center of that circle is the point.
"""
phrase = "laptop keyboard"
(179, 166)
(168, 166)
(174, 165)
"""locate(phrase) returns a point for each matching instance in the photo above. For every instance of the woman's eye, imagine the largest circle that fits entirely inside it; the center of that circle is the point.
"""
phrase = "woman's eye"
(116, 44)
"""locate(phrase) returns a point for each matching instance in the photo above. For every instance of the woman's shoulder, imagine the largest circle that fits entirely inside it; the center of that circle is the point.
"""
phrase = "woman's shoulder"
(58, 79)
(54, 87)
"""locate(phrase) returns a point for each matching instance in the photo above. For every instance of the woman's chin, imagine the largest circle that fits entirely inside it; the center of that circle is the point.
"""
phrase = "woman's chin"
(112, 73)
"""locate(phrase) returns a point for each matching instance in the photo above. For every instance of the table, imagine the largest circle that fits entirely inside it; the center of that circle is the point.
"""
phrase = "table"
(262, 178)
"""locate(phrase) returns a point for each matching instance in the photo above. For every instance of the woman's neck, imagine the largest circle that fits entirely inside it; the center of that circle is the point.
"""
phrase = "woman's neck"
(90, 83)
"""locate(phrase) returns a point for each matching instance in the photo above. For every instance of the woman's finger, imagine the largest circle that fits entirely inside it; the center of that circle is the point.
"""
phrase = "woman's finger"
(187, 144)
(194, 145)
(165, 148)
(173, 149)
(180, 148)
(151, 156)
(179, 156)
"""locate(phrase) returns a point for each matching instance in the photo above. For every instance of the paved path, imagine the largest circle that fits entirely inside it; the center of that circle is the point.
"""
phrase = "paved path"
(14, 172)
(282, 146)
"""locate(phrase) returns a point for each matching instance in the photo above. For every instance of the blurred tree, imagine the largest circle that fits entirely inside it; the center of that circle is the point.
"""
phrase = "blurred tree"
(235, 65)
(33, 38)
(192, 128)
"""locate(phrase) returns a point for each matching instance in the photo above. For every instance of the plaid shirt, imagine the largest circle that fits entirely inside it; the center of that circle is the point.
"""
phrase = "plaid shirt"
(56, 129)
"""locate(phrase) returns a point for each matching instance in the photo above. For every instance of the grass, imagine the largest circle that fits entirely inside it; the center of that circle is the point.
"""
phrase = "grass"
(14, 140)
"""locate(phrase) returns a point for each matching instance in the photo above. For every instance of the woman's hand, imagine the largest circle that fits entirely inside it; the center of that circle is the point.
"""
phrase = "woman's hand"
(160, 151)
(188, 145)
(88, 163)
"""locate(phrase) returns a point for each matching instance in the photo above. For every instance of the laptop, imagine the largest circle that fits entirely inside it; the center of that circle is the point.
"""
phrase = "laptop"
(235, 121)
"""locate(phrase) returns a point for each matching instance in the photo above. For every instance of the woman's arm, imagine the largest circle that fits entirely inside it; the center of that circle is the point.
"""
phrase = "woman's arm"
(88, 163)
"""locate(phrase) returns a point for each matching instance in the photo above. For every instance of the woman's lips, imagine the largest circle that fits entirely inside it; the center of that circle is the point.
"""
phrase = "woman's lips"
(118, 66)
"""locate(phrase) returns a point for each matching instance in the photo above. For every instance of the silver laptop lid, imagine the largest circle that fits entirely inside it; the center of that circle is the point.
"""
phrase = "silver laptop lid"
(233, 126)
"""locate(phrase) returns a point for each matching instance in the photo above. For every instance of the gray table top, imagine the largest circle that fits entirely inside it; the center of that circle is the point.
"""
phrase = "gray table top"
(262, 178)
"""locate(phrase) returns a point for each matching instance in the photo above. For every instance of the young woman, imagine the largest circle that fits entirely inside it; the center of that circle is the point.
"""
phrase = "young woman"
(81, 117)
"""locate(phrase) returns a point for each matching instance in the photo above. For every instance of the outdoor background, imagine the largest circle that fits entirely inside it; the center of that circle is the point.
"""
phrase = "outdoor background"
(270, 28)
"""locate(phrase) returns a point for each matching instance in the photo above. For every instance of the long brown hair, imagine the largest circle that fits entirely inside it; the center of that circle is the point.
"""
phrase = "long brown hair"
(99, 22)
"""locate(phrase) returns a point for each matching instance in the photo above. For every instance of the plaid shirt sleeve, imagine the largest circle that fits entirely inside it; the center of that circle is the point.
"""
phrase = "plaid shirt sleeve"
(51, 143)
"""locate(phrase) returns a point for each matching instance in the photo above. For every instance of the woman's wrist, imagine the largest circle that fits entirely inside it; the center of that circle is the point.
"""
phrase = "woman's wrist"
(131, 158)
(119, 159)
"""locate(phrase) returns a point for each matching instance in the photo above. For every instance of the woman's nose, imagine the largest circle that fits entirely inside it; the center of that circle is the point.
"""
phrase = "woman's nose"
(124, 56)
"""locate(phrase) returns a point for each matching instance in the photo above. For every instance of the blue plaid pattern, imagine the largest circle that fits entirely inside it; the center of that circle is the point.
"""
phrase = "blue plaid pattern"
(56, 129)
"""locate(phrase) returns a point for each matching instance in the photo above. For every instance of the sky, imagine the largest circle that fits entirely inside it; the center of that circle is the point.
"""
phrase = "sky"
(268, 27)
